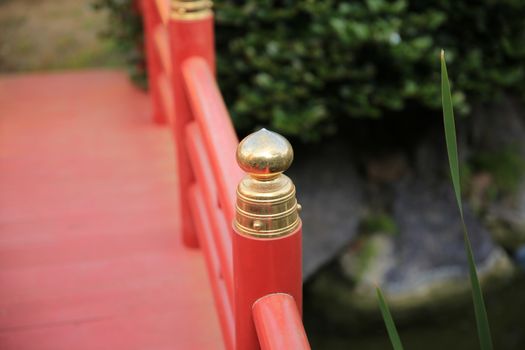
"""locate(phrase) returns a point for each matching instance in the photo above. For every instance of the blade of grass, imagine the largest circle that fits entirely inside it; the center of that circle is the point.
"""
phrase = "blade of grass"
(389, 321)
(450, 131)
(485, 338)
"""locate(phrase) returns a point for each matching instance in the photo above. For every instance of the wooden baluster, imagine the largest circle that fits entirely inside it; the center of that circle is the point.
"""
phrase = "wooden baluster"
(151, 20)
(190, 31)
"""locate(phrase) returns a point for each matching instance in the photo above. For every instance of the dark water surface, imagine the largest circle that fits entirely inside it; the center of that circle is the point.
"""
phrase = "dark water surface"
(454, 329)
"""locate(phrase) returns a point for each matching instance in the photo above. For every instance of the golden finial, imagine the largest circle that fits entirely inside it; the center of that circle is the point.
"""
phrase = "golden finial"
(266, 203)
(264, 154)
(191, 9)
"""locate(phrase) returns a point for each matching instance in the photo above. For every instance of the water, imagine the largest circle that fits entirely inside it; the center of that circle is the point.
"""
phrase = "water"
(453, 329)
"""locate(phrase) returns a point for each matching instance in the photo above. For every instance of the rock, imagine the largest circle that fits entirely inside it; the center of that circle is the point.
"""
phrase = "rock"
(496, 127)
(422, 265)
(430, 247)
(430, 243)
(387, 168)
(425, 263)
(422, 270)
(506, 220)
(520, 256)
(329, 191)
(368, 260)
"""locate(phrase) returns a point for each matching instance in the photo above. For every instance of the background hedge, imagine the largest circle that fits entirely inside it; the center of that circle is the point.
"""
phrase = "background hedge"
(306, 67)
(303, 67)
(125, 27)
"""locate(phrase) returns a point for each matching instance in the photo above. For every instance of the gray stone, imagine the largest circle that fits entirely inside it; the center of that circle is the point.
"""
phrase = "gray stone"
(430, 246)
(498, 125)
(329, 191)
(420, 269)
(423, 264)
(501, 126)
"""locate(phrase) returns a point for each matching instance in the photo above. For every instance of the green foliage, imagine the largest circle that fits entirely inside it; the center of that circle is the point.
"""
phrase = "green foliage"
(389, 321)
(304, 67)
(480, 311)
(379, 223)
(125, 28)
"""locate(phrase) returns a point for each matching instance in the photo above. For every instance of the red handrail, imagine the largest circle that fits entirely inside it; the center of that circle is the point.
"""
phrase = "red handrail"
(218, 132)
(206, 181)
(160, 38)
(181, 73)
(163, 7)
(278, 323)
(220, 294)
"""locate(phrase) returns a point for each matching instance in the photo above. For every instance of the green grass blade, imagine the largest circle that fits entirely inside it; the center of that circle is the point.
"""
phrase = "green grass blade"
(389, 322)
(485, 338)
(482, 322)
(450, 131)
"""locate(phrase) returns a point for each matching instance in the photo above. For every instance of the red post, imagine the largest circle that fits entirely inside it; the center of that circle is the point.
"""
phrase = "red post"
(151, 20)
(267, 231)
(191, 35)
(263, 266)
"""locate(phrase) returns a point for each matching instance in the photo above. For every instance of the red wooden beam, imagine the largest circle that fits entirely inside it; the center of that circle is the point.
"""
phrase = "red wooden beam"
(165, 96)
(201, 163)
(204, 231)
(188, 38)
(206, 180)
(278, 323)
(160, 38)
(217, 130)
(151, 21)
(163, 9)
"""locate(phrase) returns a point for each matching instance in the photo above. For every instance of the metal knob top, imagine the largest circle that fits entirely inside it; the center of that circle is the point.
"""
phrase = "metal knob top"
(264, 154)
(266, 203)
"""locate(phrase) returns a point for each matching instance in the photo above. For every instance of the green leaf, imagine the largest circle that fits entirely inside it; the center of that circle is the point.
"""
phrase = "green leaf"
(389, 322)
(482, 322)
(450, 132)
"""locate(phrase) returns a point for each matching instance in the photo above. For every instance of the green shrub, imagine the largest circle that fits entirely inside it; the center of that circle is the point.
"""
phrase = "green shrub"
(125, 28)
(304, 67)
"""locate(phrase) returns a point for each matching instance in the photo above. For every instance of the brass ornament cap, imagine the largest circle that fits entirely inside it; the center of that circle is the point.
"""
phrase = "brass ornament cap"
(264, 154)
(266, 203)
(188, 10)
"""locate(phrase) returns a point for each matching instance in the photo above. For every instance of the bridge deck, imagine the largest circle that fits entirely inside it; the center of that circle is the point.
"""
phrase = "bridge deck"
(90, 257)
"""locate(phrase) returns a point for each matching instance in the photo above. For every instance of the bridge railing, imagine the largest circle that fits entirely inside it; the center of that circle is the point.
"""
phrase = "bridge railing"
(247, 226)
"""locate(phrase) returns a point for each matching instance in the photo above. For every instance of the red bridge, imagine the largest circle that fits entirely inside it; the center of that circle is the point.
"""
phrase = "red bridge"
(125, 226)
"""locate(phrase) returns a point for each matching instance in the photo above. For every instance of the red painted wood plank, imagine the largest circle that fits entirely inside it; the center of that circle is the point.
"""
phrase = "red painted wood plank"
(278, 314)
(163, 8)
(151, 19)
(160, 38)
(210, 112)
(90, 249)
(166, 97)
(205, 233)
(221, 231)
